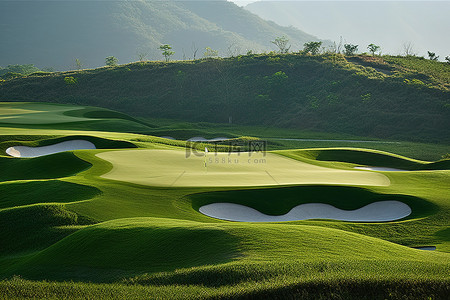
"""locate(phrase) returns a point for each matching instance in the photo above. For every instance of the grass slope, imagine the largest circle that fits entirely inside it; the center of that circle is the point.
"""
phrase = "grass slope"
(46, 167)
(61, 220)
(321, 93)
(365, 157)
(127, 246)
(54, 116)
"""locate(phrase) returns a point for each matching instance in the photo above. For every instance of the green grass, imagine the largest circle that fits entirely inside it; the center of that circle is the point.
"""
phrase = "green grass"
(22, 193)
(35, 227)
(279, 201)
(106, 223)
(323, 93)
(174, 168)
(121, 248)
(53, 116)
(408, 286)
(46, 167)
(366, 157)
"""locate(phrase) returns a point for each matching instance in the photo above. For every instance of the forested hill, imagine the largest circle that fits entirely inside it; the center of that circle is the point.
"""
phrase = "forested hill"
(55, 33)
(389, 97)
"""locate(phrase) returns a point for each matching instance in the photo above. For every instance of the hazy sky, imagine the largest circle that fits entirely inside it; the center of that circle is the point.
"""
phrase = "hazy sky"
(389, 24)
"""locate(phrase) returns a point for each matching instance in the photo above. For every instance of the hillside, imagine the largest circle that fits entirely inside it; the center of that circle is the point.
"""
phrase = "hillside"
(54, 34)
(383, 97)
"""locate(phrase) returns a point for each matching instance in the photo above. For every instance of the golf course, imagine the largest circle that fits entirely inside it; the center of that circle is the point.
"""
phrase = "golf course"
(92, 206)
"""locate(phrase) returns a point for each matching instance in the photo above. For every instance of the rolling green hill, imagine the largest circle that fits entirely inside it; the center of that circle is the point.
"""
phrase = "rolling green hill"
(383, 97)
(110, 222)
(93, 30)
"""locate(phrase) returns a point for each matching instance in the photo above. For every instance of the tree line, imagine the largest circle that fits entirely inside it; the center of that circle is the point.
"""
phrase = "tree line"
(282, 44)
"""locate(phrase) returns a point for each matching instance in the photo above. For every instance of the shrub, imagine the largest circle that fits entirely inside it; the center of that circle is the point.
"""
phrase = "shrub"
(111, 61)
(70, 80)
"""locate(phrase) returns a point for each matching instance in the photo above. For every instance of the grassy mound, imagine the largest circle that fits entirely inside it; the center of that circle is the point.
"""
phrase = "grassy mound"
(407, 287)
(140, 246)
(34, 227)
(58, 116)
(45, 167)
(279, 201)
(323, 93)
(50, 191)
(366, 157)
(132, 246)
(102, 113)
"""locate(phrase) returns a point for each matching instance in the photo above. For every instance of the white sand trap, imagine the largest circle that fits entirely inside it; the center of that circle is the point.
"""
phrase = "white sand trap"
(429, 248)
(24, 151)
(381, 169)
(202, 139)
(197, 139)
(219, 139)
(380, 211)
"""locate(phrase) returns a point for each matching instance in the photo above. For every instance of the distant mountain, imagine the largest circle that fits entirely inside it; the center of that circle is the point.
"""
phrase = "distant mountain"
(54, 33)
(389, 24)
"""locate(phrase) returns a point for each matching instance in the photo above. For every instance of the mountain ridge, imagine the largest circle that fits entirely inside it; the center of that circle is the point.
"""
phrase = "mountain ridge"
(54, 34)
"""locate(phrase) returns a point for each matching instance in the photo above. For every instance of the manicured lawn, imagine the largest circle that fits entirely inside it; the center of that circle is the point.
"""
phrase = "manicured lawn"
(173, 168)
(120, 222)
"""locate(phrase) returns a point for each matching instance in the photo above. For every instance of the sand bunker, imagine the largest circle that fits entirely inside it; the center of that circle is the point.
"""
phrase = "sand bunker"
(380, 211)
(24, 151)
(429, 248)
(202, 139)
(381, 169)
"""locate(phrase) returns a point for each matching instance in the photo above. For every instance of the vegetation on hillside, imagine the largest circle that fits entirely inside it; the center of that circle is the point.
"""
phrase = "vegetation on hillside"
(384, 97)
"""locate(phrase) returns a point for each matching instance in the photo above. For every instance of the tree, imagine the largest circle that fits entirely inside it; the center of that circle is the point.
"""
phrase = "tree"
(350, 49)
(447, 58)
(432, 56)
(166, 51)
(408, 49)
(373, 48)
(282, 44)
(78, 64)
(312, 47)
(142, 55)
(210, 52)
(19, 69)
(111, 61)
(339, 46)
(194, 49)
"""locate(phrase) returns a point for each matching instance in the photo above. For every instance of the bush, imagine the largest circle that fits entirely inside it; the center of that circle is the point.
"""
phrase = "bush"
(69, 80)
(111, 61)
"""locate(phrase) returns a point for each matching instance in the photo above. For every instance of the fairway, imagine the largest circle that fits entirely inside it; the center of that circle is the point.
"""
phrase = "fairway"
(37, 113)
(127, 215)
(173, 168)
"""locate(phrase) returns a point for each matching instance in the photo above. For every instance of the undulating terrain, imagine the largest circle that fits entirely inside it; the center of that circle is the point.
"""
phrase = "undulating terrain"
(396, 98)
(135, 215)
